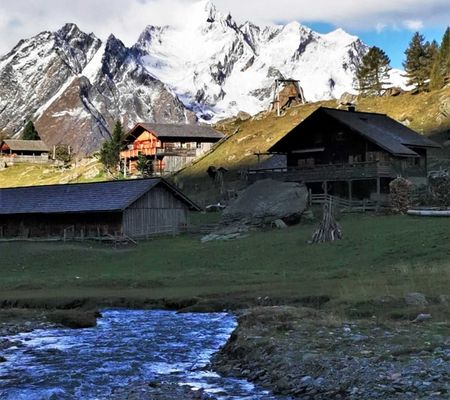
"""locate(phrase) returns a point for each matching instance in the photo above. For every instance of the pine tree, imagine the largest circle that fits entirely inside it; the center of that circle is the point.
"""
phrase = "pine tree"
(143, 165)
(30, 132)
(441, 66)
(420, 56)
(110, 151)
(373, 72)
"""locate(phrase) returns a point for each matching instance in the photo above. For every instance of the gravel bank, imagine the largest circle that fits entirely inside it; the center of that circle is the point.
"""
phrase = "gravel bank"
(306, 354)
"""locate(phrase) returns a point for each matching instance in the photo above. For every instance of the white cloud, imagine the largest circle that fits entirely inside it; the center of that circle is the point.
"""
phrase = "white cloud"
(380, 27)
(127, 18)
(413, 24)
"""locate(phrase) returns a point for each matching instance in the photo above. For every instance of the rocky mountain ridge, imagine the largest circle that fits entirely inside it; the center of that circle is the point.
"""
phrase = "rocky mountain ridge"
(74, 86)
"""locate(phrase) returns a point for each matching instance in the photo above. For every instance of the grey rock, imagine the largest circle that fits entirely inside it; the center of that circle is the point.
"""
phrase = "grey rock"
(243, 116)
(422, 318)
(279, 224)
(416, 299)
(307, 357)
(266, 201)
(359, 338)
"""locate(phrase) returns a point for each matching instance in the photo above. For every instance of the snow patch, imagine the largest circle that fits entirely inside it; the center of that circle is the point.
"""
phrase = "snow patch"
(94, 66)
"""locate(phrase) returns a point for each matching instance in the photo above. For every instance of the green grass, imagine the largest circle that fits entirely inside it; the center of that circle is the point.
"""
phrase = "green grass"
(36, 174)
(379, 256)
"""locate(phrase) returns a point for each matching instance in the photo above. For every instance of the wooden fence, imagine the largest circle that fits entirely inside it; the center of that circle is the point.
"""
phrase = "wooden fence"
(346, 205)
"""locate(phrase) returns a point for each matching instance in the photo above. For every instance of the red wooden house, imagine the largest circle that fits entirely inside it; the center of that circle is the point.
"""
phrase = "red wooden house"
(168, 147)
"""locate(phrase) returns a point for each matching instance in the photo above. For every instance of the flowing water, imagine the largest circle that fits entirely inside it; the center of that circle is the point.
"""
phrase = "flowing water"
(126, 347)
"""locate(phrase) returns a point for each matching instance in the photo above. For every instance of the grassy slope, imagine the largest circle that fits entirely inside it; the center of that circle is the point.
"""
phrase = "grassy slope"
(34, 174)
(257, 135)
(379, 256)
(422, 112)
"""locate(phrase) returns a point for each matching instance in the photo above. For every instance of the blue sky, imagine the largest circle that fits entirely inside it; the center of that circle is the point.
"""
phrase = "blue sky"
(388, 24)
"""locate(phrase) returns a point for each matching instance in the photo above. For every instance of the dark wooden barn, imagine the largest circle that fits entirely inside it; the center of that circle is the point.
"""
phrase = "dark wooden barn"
(134, 208)
(349, 153)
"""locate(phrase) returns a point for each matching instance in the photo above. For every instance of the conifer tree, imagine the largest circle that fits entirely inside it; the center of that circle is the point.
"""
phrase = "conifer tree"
(441, 66)
(373, 73)
(420, 56)
(143, 165)
(30, 132)
(110, 151)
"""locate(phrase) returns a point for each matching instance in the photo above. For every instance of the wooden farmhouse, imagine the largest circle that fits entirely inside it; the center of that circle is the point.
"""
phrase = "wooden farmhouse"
(24, 151)
(168, 147)
(349, 154)
(134, 208)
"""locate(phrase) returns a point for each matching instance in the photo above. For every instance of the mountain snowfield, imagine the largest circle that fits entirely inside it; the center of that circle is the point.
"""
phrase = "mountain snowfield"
(225, 68)
(74, 86)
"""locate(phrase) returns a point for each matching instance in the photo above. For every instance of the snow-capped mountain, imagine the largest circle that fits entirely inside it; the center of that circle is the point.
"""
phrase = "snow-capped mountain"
(75, 86)
(214, 64)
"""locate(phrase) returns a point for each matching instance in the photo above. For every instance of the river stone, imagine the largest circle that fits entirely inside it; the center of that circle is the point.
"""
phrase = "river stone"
(280, 224)
(444, 299)
(422, 318)
(416, 299)
(268, 200)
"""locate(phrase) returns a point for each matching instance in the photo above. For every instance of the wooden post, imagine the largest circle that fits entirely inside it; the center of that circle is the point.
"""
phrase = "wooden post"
(378, 192)
(350, 194)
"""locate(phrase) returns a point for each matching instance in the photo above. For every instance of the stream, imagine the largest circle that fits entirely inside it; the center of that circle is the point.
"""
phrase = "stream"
(127, 347)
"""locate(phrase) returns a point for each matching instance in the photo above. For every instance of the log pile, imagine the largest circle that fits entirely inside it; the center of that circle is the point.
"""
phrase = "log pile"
(329, 230)
(400, 195)
(439, 186)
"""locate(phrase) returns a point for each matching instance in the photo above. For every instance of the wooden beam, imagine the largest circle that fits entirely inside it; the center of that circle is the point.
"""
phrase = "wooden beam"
(378, 192)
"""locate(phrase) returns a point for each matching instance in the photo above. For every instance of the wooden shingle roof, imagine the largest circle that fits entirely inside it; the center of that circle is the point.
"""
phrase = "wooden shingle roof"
(380, 129)
(181, 131)
(26, 145)
(113, 196)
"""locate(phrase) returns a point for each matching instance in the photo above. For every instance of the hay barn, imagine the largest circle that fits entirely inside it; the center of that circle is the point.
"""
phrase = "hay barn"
(136, 208)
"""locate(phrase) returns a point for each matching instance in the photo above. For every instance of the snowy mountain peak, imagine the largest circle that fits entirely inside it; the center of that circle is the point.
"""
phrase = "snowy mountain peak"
(75, 86)
(339, 36)
(69, 31)
(202, 12)
(210, 10)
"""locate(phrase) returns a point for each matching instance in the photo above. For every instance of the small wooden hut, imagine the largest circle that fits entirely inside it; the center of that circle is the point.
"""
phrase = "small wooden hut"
(34, 151)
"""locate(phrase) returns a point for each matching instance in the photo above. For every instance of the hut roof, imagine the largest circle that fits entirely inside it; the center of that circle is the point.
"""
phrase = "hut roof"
(380, 129)
(181, 131)
(113, 196)
(26, 145)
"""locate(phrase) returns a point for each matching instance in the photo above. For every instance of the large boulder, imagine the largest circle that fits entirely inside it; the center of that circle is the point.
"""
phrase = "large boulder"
(267, 201)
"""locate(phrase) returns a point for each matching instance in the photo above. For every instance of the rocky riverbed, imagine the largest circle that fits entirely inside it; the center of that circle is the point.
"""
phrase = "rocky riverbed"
(307, 354)
(297, 352)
